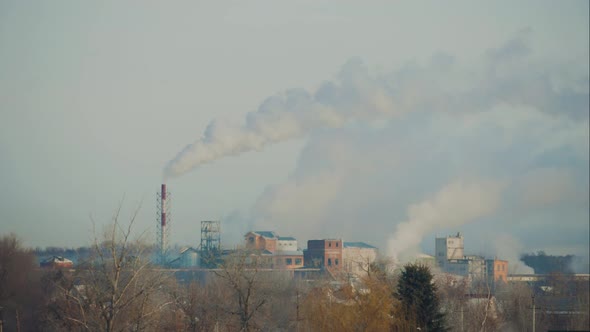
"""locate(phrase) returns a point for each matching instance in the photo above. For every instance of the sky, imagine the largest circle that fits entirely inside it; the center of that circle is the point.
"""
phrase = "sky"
(388, 122)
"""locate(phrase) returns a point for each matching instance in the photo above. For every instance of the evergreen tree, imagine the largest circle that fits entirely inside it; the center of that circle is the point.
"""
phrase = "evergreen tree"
(420, 303)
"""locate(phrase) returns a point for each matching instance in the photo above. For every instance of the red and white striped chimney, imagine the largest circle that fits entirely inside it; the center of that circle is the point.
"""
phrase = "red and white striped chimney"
(163, 207)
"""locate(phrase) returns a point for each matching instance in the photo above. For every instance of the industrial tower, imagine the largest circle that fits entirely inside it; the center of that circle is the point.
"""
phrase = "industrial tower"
(210, 248)
(163, 227)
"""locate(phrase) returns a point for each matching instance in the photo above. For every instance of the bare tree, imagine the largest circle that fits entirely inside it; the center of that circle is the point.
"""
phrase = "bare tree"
(452, 290)
(117, 289)
(515, 301)
(200, 306)
(240, 271)
(19, 285)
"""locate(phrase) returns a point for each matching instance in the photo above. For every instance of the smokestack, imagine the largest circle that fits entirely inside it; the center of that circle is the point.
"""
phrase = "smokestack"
(163, 221)
(163, 207)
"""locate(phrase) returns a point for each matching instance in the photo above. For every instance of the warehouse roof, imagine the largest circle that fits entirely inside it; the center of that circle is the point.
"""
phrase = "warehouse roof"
(358, 245)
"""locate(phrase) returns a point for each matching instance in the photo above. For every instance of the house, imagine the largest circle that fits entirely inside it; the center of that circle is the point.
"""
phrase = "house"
(57, 262)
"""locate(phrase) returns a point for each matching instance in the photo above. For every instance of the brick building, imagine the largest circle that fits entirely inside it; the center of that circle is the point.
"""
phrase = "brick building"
(281, 252)
(497, 270)
(324, 253)
(261, 240)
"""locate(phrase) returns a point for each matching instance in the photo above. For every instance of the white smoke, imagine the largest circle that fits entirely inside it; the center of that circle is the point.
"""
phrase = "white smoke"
(509, 248)
(291, 114)
(454, 205)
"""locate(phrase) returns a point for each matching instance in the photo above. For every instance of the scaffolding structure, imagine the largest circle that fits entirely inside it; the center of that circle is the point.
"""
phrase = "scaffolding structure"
(210, 247)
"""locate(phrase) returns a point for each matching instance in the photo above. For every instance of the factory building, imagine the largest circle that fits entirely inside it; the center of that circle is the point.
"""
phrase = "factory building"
(497, 269)
(282, 252)
(261, 240)
(473, 267)
(334, 254)
(450, 258)
(187, 258)
(324, 253)
(449, 248)
(357, 257)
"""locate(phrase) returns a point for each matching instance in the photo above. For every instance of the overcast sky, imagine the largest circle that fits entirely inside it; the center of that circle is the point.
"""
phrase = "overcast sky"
(387, 122)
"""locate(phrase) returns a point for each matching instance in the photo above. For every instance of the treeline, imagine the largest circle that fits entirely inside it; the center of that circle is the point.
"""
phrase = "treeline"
(546, 264)
(117, 289)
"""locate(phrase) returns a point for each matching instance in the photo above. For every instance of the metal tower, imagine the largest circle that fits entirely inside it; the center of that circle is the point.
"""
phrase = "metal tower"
(210, 247)
(163, 227)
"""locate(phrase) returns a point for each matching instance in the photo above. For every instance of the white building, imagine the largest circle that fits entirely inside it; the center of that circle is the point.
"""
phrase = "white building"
(357, 256)
(447, 248)
(450, 258)
(286, 243)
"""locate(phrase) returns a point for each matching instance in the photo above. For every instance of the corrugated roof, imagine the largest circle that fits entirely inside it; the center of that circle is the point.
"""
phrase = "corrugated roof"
(287, 238)
(358, 245)
(189, 249)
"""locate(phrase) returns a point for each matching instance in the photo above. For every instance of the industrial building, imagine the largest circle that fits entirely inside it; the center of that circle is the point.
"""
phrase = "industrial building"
(282, 252)
(326, 253)
(279, 252)
(357, 257)
(338, 256)
(450, 258)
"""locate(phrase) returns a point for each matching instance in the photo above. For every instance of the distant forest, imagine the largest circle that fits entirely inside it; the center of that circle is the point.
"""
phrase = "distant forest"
(546, 264)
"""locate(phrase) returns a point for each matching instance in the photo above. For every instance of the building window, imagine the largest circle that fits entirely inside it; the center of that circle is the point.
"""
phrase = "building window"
(336, 261)
(336, 244)
(289, 261)
(251, 239)
(298, 261)
(329, 244)
(329, 261)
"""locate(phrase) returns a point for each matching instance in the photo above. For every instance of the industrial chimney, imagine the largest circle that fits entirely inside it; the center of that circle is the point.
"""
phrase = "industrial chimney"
(163, 221)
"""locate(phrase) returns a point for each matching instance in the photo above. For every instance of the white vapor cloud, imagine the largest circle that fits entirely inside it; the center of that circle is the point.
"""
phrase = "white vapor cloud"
(293, 113)
(453, 206)
(508, 247)
(455, 149)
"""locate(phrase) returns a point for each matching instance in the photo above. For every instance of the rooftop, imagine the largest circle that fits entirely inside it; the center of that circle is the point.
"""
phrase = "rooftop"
(289, 253)
(266, 234)
(358, 245)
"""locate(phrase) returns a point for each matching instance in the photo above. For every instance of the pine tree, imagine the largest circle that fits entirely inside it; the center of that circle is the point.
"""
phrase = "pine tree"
(420, 303)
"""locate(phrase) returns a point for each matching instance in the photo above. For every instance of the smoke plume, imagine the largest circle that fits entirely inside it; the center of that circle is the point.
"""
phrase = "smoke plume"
(293, 113)
(454, 205)
(509, 248)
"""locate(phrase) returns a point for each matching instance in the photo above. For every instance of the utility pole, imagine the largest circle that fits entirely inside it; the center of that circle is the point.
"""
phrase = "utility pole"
(461, 317)
(533, 296)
